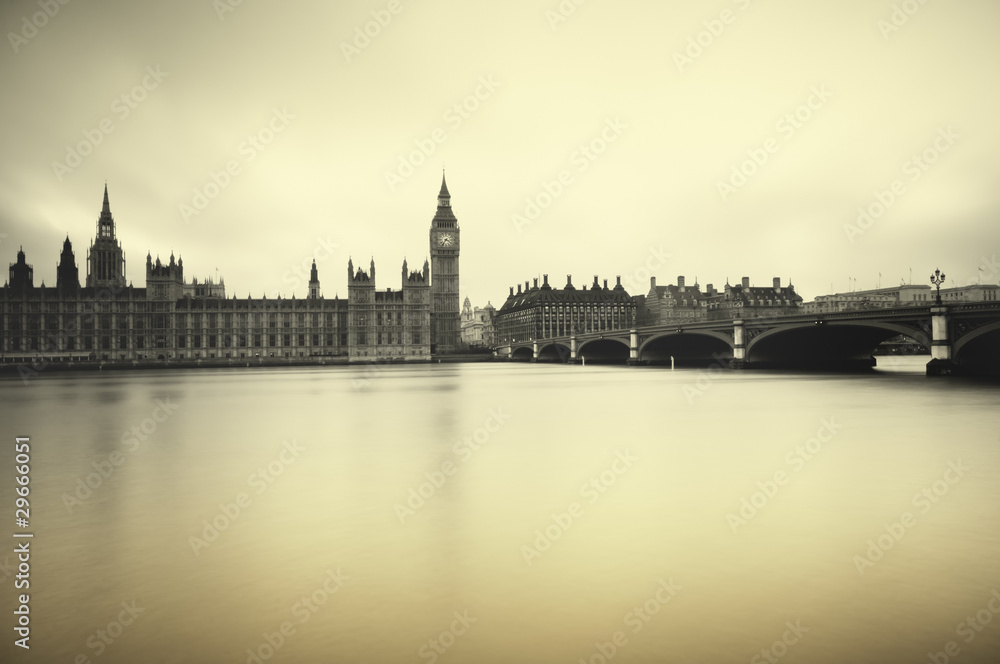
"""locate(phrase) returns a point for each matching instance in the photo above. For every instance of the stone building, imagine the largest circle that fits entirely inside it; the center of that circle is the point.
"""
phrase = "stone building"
(674, 303)
(680, 303)
(904, 295)
(745, 301)
(388, 324)
(541, 312)
(171, 319)
(477, 325)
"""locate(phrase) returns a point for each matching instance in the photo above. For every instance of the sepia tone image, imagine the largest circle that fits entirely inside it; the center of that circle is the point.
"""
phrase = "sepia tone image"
(469, 333)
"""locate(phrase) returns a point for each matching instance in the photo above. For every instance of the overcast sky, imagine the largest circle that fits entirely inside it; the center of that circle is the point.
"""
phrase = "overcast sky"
(626, 123)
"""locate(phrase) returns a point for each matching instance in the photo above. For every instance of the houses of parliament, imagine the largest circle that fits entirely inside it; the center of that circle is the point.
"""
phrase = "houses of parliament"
(106, 319)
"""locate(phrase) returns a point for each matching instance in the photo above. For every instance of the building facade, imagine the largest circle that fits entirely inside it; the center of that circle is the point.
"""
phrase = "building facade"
(904, 295)
(542, 312)
(173, 319)
(388, 325)
(745, 301)
(680, 303)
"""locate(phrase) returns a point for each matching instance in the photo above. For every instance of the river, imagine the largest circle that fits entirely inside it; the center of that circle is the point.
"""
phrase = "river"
(506, 513)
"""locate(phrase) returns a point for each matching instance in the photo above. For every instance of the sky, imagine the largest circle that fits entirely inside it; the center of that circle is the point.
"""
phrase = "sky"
(837, 145)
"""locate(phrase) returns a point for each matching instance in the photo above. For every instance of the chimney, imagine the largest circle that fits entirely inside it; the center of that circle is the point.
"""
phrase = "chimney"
(680, 281)
(596, 284)
(526, 287)
(569, 281)
(519, 289)
(746, 282)
(709, 289)
(511, 291)
(652, 282)
(545, 281)
(536, 283)
(605, 284)
(619, 284)
(777, 283)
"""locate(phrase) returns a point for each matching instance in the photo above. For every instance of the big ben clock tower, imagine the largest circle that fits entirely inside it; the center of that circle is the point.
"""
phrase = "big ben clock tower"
(445, 309)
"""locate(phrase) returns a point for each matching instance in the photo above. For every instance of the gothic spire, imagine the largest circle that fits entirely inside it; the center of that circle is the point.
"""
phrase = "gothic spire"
(444, 187)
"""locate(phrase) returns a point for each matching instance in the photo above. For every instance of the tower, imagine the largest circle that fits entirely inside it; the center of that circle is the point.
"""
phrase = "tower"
(67, 274)
(445, 308)
(22, 275)
(164, 282)
(361, 324)
(105, 258)
(313, 282)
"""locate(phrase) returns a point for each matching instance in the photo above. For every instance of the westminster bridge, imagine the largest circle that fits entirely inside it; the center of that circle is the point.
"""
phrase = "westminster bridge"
(963, 339)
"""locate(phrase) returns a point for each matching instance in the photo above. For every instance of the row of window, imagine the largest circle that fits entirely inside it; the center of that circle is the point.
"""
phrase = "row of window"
(122, 342)
(143, 306)
(389, 338)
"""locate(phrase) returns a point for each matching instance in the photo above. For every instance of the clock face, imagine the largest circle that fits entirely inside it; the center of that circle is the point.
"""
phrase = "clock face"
(446, 239)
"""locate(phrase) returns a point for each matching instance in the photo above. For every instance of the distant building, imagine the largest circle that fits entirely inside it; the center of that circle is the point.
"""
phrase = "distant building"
(905, 295)
(971, 293)
(746, 301)
(680, 303)
(539, 312)
(477, 325)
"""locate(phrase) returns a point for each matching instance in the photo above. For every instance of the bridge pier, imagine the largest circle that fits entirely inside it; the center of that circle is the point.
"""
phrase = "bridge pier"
(942, 363)
(633, 347)
(739, 360)
(534, 350)
(573, 359)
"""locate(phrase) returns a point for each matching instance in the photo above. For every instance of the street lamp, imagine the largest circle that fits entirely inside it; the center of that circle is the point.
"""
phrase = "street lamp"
(937, 279)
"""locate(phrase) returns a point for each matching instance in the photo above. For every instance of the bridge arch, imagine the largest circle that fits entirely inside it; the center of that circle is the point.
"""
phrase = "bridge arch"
(978, 351)
(825, 344)
(604, 350)
(691, 348)
(553, 352)
(522, 353)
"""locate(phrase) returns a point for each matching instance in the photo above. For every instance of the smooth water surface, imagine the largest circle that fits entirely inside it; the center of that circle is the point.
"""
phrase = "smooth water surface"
(506, 513)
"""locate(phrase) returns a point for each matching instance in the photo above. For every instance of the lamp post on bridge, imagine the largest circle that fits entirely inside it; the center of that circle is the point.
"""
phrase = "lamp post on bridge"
(937, 279)
(941, 356)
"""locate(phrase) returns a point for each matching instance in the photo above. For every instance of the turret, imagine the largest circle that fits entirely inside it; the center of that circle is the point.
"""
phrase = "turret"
(444, 198)
(22, 275)
(105, 259)
(67, 273)
(314, 282)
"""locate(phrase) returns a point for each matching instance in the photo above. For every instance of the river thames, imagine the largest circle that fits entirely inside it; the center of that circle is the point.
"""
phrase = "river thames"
(504, 512)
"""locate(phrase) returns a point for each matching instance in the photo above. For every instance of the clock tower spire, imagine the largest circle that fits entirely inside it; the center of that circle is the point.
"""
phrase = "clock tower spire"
(445, 308)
